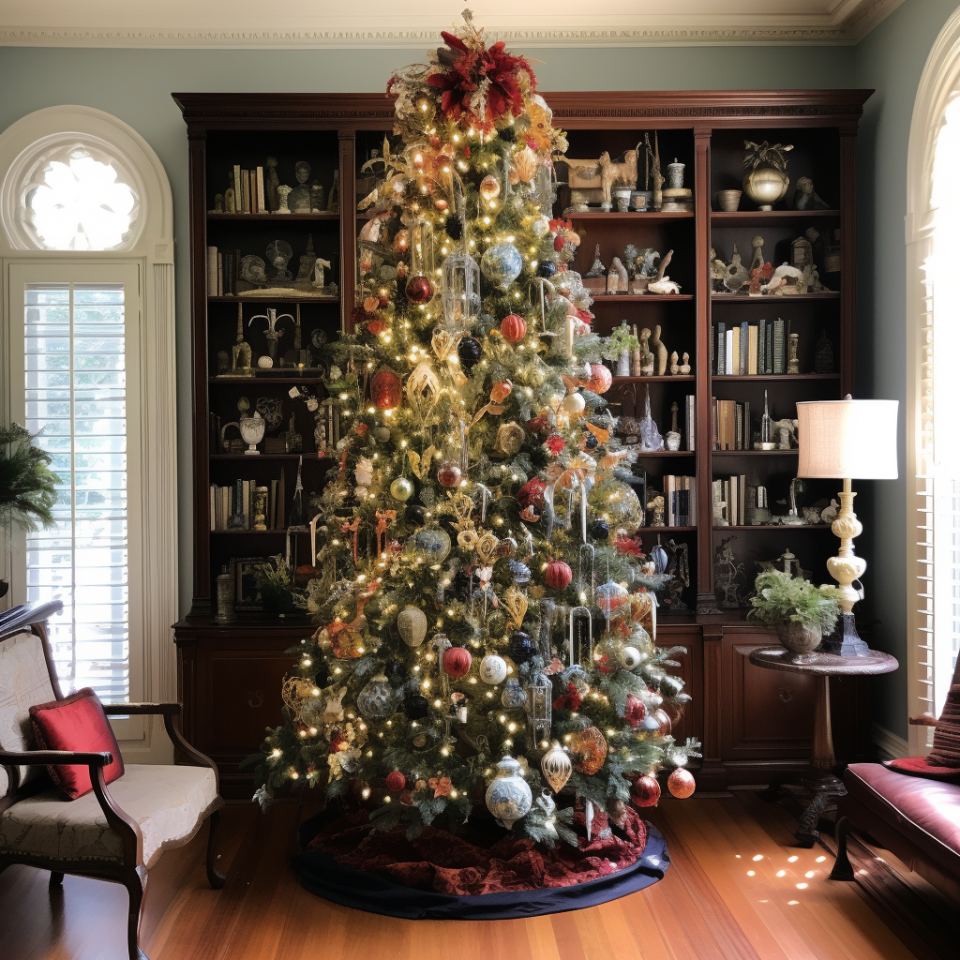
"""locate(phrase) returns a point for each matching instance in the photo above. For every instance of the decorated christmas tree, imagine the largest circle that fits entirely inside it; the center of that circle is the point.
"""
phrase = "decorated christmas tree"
(484, 608)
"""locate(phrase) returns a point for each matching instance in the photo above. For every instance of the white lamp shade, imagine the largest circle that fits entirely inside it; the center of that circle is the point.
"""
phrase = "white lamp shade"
(848, 439)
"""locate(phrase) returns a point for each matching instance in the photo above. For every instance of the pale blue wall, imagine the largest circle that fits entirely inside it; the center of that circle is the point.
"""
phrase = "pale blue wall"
(135, 85)
(890, 60)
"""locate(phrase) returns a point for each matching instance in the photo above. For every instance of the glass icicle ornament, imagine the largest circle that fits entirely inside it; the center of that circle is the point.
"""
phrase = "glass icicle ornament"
(539, 709)
(461, 291)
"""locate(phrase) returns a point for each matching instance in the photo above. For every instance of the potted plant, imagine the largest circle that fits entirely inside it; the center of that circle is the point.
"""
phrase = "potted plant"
(800, 611)
(28, 487)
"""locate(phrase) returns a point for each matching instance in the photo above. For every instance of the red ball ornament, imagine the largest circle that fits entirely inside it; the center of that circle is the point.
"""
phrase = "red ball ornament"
(449, 474)
(558, 243)
(558, 574)
(376, 327)
(634, 711)
(396, 781)
(513, 328)
(645, 791)
(386, 389)
(456, 662)
(419, 289)
(601, 379)
(681, 783)
(531, 494)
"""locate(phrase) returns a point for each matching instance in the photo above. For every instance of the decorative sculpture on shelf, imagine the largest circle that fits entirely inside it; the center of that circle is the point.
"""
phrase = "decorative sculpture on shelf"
(623, 173)
(650, 439)
(806, 197)
(242, 365)
(272, 333)
(765, 181)
(726, 570)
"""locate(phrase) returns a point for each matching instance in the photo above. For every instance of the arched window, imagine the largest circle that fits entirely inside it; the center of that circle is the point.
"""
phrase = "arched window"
(87, 360)
(933, 389)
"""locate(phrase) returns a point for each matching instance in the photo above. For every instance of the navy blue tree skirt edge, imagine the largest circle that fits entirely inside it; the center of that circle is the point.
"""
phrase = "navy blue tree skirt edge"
(322, 875)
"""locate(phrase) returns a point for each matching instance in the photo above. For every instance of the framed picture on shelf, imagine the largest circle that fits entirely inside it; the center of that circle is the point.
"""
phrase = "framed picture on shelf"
(248, 595)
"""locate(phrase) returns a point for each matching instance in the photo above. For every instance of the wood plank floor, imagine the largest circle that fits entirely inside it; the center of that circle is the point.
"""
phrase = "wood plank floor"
(737, 889)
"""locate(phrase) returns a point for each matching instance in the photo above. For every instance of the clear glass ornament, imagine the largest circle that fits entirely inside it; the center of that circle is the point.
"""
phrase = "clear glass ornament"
(539, 708)
(376, 700)
(461, 291)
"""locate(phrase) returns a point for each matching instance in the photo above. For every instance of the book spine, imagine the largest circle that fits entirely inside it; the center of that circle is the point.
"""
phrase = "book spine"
(261, 201)
(744, 347)
(219, 274)
(229, 275)
(691, 402)
(237, 189)
(739, 426)
(752, 350)
(762, 347)
(778, 345)
(728, 367)
(747, 426)
(211, 271)
(721, 349)
(713, 424)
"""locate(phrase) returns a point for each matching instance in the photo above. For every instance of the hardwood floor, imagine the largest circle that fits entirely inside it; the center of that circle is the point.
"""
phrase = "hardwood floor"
(737, 889)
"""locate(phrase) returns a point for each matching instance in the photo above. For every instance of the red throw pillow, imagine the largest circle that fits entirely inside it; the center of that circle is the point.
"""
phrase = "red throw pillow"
(76, 723)
(946, 734)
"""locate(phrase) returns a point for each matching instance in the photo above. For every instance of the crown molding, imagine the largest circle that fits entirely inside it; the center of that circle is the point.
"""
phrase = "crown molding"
(845, 24)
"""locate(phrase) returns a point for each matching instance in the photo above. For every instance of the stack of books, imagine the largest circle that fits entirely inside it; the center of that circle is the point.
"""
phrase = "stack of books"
(680, 501)
(731, 425)
(750, 348)
(733, 493)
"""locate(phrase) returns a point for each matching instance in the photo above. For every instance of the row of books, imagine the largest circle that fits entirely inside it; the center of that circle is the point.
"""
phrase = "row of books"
(680, 501)
(750, 348)
(248, 191)
(233, 507)
(221, 272)
(730, 499)
(731, 425)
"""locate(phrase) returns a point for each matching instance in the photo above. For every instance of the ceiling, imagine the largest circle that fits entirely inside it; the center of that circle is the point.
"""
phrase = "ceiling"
(255, 24)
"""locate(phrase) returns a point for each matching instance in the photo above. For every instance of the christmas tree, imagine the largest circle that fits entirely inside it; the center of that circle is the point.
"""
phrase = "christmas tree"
(479, 587)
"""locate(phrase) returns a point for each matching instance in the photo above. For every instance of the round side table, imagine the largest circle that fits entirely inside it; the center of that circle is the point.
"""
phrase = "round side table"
(820, 780)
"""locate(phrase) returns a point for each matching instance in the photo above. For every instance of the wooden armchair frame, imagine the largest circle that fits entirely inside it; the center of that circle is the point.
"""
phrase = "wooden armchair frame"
(129, 870)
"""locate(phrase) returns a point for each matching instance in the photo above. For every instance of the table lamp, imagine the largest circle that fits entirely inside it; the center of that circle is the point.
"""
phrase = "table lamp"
(849, 440)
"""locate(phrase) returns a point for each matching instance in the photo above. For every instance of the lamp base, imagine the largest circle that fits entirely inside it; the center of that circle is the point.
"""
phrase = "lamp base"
(845, 641)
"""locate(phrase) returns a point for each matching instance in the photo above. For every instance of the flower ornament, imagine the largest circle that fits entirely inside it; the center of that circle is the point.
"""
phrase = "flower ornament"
(441, 786)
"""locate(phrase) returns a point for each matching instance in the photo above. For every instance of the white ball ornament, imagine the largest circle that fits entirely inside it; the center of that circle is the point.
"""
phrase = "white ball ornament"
(573, 405)
(509, 797)
(412, 626)
(493, 669)
(401, 489)
(631, 658)
(541, 227)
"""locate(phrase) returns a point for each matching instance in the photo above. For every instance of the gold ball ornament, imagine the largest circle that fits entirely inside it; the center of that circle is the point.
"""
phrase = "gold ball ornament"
(573, 405)
(681, 784)
(489, 187)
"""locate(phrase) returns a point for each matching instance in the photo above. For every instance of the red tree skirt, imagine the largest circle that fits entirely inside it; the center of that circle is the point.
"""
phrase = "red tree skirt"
(479, 874)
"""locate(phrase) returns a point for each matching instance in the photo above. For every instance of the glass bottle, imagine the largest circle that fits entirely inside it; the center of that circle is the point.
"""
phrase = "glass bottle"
(766, 424)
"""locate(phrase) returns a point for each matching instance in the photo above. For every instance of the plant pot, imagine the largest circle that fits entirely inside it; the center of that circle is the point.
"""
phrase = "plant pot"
(799, 638)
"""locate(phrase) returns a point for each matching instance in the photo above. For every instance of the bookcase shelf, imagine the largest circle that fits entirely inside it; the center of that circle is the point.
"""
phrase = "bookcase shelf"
(230, 675)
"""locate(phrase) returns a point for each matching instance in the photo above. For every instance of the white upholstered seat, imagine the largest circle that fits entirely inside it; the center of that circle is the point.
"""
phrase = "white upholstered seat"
(168, 803)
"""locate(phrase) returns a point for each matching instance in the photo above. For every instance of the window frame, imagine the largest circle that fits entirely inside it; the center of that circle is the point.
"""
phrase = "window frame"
(152, 252)
(939, 86)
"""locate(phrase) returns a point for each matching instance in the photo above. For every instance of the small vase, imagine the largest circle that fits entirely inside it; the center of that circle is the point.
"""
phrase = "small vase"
(765, 185)
(799, 638)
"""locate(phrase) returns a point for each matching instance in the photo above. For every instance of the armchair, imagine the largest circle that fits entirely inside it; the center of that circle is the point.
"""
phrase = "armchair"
(116, 832)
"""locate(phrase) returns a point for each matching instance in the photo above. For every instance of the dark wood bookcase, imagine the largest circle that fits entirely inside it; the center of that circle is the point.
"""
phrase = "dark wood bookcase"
(752, 722)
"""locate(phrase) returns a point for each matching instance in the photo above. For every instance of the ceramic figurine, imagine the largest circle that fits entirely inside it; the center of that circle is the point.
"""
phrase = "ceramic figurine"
(653, 171)
(685, 367)
(619, 271)
(757, 261)
(622, 172)
(283, 192)
(242, 355)
(672, 439)
(806, 197)
(655, 506)
(647, 359)
(229, 200)
(674, 364)
(299, 198)
(307, 261)
(661, 352)
(663, 284)
(793, 364)
(735, 273)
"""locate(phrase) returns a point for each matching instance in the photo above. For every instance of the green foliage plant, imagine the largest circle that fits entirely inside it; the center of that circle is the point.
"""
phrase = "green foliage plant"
(782, 598)
(28, 487)
(619, 340)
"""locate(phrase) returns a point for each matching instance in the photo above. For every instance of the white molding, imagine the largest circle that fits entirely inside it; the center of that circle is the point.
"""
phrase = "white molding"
(889, 745)
(846, 22)
(938, 87)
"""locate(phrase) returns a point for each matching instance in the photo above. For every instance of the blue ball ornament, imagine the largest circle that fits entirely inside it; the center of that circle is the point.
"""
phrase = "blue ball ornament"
(501, 264)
